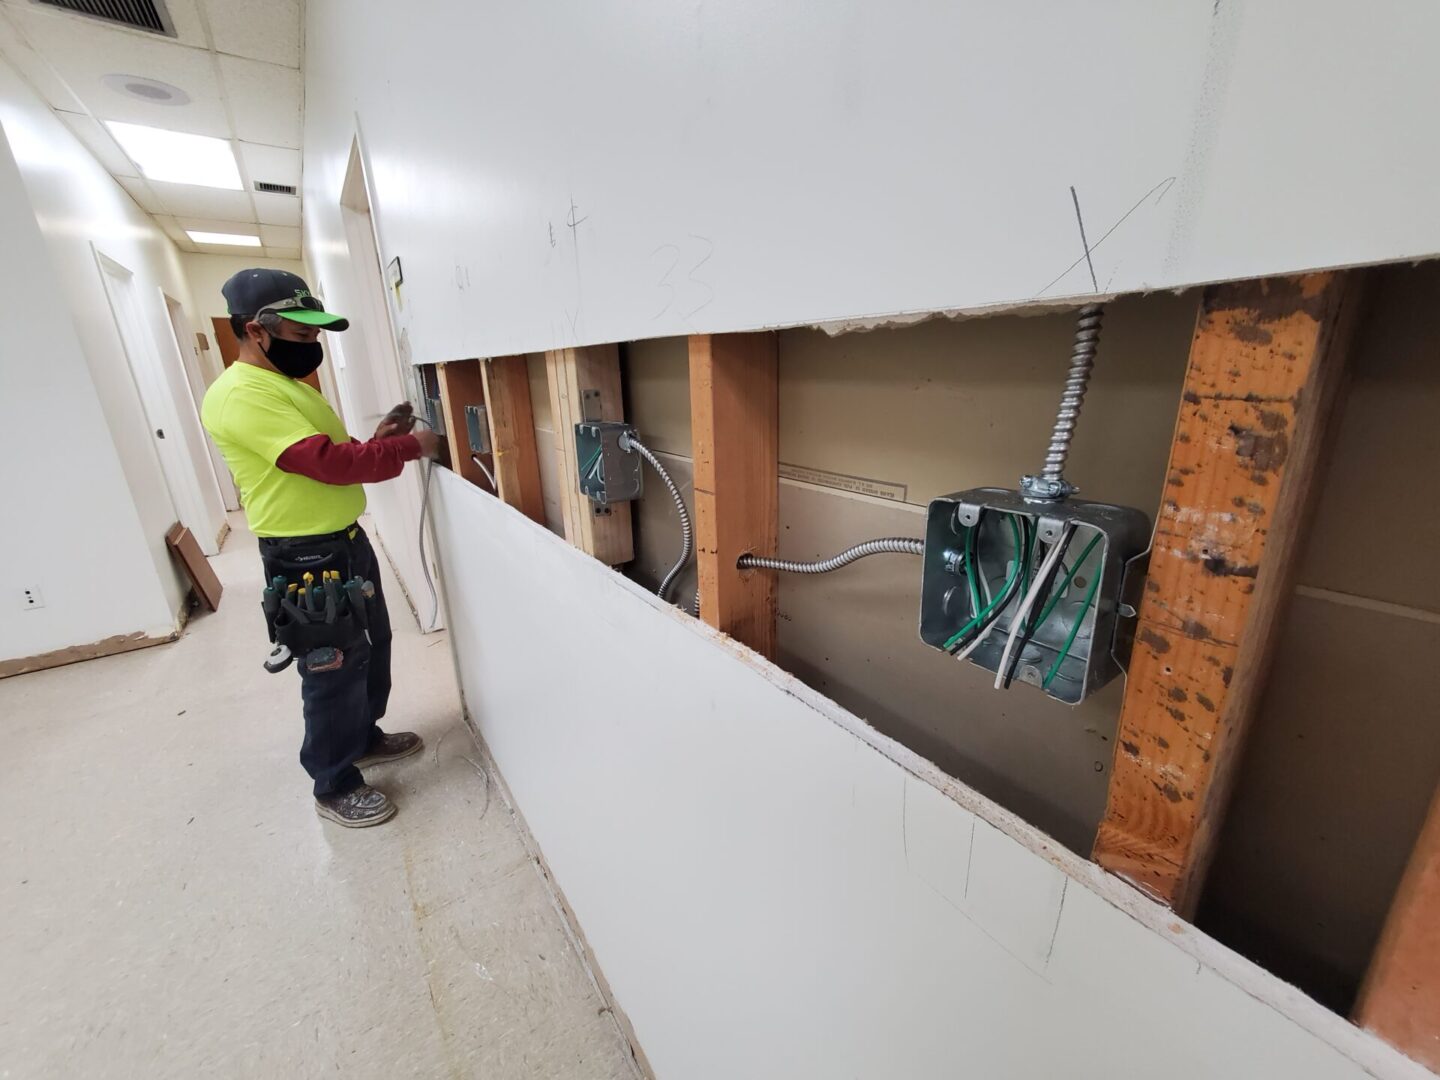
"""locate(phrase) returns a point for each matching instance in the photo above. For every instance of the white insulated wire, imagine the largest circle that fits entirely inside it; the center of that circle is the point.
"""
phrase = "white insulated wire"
(488, 474)
(1018, 622)
(989, 628)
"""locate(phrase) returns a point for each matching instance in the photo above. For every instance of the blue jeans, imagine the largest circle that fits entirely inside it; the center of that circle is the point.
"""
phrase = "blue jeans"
(343, 707)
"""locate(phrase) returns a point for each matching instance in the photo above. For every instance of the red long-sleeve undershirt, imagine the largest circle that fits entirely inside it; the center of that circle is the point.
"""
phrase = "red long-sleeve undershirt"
(352, 462)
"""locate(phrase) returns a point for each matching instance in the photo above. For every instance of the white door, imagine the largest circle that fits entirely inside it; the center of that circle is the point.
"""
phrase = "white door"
(193, 366)
(199, 509)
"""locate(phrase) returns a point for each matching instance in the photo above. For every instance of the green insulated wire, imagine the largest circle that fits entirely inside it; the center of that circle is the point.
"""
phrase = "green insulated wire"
(1075, 629)
(1065, 581)
(1000, 597)
(585, 469)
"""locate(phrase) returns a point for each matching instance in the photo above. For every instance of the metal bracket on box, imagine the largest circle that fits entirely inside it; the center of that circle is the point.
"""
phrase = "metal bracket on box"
(983, 545)
(608, 473)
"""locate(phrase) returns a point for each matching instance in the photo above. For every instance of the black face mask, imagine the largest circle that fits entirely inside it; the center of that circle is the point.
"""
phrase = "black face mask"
(294, 358)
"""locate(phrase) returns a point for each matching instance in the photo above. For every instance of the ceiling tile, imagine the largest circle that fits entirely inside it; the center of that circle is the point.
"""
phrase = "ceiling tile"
(187, 200)
(33, 66)
(284, 253)
(143, 195)
(280, 236)
(83, 51)
(175, 232)
(265, 100)
(259, 29)
(278, 164)
(98, 141)
(277, 209)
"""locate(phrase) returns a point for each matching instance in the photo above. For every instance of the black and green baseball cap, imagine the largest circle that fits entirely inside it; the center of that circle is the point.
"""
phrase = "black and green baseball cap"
(252, 292)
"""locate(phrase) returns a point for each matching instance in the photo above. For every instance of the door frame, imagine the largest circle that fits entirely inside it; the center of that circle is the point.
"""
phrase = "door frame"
(386, 379)
(188, 482)
(188, 352)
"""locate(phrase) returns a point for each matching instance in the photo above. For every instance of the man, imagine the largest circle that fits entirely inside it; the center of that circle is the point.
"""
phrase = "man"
(299, 476)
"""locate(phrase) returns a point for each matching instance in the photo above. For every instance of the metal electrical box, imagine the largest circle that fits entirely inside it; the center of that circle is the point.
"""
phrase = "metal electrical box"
(477, 427)
(608, 472)
(984, 550)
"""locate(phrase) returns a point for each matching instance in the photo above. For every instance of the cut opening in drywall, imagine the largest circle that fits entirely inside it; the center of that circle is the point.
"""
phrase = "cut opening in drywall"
(874, 425)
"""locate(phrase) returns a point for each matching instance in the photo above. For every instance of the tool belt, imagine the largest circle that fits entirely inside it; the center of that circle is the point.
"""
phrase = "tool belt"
(311, 599)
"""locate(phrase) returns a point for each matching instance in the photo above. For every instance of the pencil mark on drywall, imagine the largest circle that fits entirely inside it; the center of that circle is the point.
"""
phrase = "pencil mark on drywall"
(969, 857)
(709, 292)
(1080, 220)
(552, 233)
(664, 282)
(572, 221)
(1059, 913)
(1159, 191)
(1224, 40)
(905, 822)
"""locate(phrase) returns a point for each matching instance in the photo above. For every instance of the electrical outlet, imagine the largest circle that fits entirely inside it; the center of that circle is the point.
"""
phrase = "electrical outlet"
(30, 598)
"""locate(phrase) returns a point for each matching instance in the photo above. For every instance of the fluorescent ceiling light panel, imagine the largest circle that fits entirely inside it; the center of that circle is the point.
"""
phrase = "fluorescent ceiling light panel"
(225, 238)
(177, 157)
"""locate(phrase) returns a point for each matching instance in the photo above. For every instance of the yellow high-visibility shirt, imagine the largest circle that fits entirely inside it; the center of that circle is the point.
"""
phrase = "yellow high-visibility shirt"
(255, 415)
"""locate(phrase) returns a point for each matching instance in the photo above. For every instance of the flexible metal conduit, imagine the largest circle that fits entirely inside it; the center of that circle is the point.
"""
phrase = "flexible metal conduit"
(1082, 360)
(897, 545)
(687, 534)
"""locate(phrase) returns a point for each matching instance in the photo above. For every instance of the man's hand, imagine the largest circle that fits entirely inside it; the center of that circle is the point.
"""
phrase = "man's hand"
(398, 421)
(429, 443)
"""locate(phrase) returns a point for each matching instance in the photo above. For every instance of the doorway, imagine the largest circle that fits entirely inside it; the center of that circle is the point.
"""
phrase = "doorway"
(176, 435)
(376, 378)
(197, 379)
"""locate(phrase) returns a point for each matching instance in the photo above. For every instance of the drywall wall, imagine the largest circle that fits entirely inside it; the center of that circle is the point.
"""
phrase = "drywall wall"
(922, 411)
(709, 167)
(70, 528)
(81, 210)
(773, 889)
(1345, 753)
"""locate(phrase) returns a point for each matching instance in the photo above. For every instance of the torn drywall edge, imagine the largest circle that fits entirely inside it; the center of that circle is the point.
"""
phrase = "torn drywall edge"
(1365, 1050)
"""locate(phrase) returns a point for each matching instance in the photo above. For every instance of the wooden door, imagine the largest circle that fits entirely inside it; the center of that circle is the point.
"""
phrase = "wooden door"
(230, 349)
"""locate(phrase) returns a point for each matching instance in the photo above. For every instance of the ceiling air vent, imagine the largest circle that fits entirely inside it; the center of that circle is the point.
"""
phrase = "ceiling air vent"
(274, 189)
(147, 15)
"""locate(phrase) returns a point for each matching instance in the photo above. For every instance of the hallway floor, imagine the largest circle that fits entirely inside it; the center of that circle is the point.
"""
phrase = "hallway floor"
(173, 907)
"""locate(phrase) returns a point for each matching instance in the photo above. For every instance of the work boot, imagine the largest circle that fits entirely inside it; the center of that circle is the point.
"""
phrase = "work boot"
(391, 748)
(356, 809)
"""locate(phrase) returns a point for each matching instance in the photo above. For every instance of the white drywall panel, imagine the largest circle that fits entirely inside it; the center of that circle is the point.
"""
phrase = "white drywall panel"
(736, 851)
(81, 209)
(69, 528)
(582, 172)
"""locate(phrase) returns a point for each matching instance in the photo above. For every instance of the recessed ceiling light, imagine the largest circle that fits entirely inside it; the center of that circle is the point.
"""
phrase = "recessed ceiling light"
(150, 91)
(224, 239)
(177, 157)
